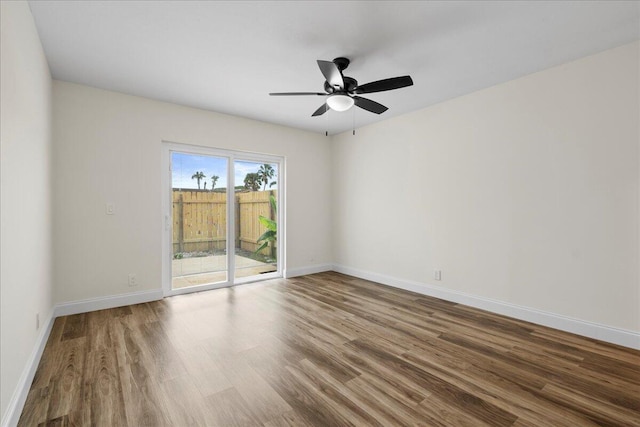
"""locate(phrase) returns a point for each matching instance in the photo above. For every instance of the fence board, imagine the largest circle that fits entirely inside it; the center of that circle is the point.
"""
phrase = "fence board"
(200, 220)
(252, 205)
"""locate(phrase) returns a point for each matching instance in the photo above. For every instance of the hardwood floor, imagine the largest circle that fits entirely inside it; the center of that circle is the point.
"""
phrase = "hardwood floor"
(324, 350)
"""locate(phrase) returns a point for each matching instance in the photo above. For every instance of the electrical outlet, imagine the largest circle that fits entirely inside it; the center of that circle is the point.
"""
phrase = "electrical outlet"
(437, 274)
(133, 280)
(37, 321)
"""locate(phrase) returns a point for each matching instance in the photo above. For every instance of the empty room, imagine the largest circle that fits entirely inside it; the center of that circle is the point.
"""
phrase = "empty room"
(320, 213)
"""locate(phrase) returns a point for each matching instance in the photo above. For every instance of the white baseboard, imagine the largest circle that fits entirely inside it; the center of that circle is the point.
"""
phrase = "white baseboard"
(597, 331)
(101, 303)
(16, 404)
(310, 269)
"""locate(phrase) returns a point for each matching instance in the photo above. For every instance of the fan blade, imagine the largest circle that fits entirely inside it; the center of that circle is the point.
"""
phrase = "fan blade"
(331, 73)
(386, 84)
(369, 105)
(320, 111)
(296, 93)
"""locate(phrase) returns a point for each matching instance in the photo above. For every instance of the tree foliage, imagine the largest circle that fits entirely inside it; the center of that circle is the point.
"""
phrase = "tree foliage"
(252, 181)
(270, 236)
(265, 173)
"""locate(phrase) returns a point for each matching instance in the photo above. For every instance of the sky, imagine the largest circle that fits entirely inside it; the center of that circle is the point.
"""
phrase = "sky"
(183, 166)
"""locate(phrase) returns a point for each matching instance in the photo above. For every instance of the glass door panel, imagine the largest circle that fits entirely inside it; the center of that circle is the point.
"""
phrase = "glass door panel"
(199, 215)
(256, 218)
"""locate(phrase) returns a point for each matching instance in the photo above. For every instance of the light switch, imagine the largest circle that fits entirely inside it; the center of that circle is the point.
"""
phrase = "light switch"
(110, 209)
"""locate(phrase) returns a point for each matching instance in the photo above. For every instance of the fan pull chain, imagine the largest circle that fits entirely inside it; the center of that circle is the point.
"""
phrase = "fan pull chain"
(326, 109)
(354, 120)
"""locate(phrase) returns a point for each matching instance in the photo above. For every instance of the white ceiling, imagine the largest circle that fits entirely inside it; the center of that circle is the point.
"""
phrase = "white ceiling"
(227, 56)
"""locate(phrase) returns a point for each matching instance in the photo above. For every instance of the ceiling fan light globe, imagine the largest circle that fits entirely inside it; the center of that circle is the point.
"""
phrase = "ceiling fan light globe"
(339, 102)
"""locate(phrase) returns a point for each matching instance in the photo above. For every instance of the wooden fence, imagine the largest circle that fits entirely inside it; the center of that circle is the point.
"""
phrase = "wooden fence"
(200, 220)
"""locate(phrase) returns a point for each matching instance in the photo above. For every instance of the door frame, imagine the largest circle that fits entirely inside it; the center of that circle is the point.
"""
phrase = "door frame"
(167, 221)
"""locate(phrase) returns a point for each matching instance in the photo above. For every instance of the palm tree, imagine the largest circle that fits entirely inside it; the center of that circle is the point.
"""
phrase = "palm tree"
(252, 181)
(214, 179)
(199, 176)
(265, 173)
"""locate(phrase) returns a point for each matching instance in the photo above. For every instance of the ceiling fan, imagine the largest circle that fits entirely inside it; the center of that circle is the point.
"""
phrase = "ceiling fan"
(342, 92)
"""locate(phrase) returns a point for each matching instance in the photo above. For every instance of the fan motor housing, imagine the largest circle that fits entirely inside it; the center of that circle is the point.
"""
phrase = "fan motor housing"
(328, 88)
(350, 84)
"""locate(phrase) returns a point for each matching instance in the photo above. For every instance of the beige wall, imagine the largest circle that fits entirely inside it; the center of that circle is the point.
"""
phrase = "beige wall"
(108, 149)
(25, 215)
(525, 193)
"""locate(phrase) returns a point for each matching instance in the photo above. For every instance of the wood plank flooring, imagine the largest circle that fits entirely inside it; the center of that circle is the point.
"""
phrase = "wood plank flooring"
(324, 350)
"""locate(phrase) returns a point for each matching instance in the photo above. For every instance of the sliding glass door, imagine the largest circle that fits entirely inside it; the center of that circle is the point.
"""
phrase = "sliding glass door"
(199, 219)
(256, 209)
(218, 203)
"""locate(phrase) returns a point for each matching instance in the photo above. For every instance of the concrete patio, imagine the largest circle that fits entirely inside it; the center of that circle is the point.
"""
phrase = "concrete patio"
(212, 269)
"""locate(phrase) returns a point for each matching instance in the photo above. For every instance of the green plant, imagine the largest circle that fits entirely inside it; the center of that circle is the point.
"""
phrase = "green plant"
(270, 236)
